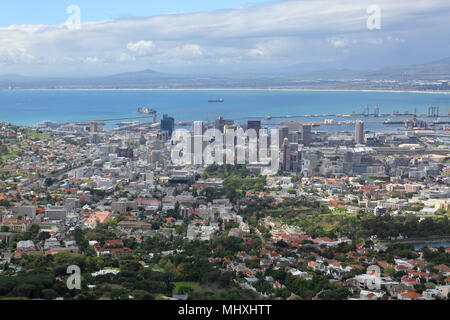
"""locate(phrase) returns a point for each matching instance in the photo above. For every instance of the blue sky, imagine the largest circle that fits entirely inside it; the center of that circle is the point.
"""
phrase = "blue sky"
(218, 36)
(54, 11)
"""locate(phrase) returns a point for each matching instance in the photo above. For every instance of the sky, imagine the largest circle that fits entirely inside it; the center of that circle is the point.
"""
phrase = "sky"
(54, 11)
(97, 37)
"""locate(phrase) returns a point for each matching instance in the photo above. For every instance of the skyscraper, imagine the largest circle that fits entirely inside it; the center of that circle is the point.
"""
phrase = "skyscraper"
(286, 154)
(220, 123)
(168, 124)
(255, 125)
(199, 128)
(359, 132)
(283, 133)
(306, 134)
(294, 128)
(197, 143)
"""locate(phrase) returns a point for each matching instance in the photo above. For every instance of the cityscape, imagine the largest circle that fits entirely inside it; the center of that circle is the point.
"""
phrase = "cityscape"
(333, 206)
(224, 193)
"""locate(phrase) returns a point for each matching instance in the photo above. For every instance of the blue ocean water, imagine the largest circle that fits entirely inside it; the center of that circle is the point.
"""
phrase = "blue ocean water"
(29, 107)
(444, 244)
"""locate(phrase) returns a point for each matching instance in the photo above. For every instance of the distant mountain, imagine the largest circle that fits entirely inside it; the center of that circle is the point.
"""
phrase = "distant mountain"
(12, 76)
(442, 61)
(295, 77)
(434, 70)
(143, 74)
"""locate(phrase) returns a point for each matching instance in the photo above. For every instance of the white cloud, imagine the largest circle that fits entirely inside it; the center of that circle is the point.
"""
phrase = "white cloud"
(255, 52)
(141, 48)
(272, 34)
(91, 60)
(16, 55)
(395, 39)
(191, 50)
(374, 41)
(338, 43)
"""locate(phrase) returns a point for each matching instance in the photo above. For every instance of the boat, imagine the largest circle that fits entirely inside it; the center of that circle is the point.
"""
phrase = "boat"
(216, 100)
(389, 121)
(145, 110)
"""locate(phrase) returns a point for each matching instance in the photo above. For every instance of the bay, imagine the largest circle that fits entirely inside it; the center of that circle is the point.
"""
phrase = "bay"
(28, 107)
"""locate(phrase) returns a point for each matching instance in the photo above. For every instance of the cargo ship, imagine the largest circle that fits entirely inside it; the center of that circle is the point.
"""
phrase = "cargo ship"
(216, 100)
(145, 110)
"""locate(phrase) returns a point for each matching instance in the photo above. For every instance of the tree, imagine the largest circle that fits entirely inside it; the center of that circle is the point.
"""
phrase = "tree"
(185, 290)
(49, 294)
(23, 290)
(65, 259)
(44, 235)
(119, 294)
(142, 295)
(49, 182)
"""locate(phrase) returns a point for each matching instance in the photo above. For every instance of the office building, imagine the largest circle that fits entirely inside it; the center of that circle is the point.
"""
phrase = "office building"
(220, 123)
(359, 132)
(255, 125)
(306, 134)
(283, 133)
(168, 124)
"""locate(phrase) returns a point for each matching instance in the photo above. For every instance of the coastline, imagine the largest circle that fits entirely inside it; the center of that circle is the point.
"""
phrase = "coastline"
(234, 89)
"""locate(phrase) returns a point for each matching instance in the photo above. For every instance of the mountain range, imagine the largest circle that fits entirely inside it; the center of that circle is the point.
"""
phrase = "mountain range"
(401, 76)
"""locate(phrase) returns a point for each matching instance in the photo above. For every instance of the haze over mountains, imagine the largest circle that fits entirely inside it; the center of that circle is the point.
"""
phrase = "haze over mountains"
(292, 77)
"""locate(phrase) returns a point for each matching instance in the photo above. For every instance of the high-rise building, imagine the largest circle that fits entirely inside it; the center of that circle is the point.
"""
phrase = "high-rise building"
(359, 132)
(306, 134)
(168, 124)
(199, 128)
(220, 123)
(197, 143)
(286, 154)
(94, 127)
(293, 126)
(255, 125)
(283, 133)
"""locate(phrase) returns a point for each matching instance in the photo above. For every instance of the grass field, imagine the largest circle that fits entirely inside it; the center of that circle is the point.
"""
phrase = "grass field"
(37, 135)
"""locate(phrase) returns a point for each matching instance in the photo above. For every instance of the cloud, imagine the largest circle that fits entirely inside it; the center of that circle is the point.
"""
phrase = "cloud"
(91, 60)
(191, 50)
(279, 33)
(338, 43)
(141, 48)
(12, 54)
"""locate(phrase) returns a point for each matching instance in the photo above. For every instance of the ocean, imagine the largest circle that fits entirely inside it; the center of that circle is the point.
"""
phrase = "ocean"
(28, 107)
(420, 245)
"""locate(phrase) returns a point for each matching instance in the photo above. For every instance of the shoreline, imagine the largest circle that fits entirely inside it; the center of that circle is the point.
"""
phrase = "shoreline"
(233, 89)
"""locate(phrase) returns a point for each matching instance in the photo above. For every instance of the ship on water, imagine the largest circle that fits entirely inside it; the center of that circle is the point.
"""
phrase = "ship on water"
(389, 121)
(145, 110)
(216, 100)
